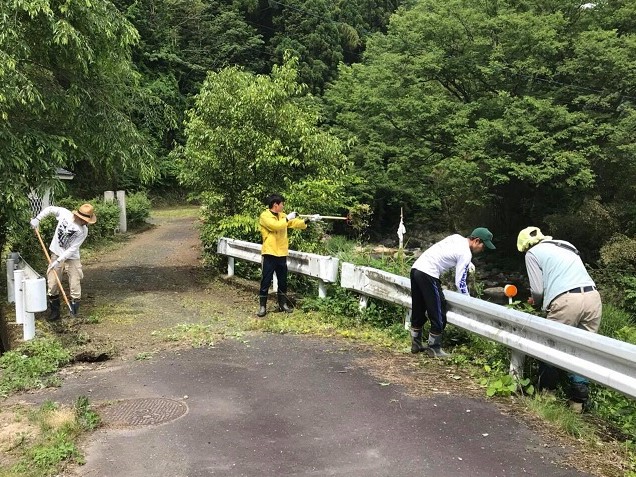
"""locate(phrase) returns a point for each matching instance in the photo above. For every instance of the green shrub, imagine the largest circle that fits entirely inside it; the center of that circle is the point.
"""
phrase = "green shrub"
(137, 209)
(615, 323)
(107, 221)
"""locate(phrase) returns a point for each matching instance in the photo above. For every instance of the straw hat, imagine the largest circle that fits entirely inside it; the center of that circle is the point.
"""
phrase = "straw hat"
(86, 213)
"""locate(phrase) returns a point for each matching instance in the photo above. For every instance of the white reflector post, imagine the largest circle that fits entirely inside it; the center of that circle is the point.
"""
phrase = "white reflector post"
(35, 295)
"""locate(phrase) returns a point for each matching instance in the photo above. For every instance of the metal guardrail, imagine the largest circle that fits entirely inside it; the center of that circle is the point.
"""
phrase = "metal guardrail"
(27, 289)
(324, 268)
(605, 360)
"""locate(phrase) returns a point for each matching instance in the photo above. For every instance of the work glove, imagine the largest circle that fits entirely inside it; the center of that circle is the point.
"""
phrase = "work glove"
(292, 215)
(35, 223)
(52, 265)
(314, 218)
(471, 268)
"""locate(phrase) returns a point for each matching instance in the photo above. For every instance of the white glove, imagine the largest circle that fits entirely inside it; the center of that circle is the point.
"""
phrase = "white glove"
(292, 215)
(314, 218)
(471, 268)
(35, 223)
(52, 265)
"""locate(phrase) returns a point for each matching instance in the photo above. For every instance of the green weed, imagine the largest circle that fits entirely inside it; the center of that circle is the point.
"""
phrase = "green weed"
(53, 444)
(32, 365)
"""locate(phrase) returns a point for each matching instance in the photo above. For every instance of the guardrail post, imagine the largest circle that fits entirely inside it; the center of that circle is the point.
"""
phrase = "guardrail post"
(322, 289)
(407, 319)
(364, 301)
(230, 266)
(516, 363)
(18, 280)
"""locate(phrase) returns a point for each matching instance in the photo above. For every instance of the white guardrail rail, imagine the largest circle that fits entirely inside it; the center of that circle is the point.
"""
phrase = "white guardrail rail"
(604, 360)
(324, 268)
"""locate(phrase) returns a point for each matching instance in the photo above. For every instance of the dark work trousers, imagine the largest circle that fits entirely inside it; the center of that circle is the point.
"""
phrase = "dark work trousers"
(427, 300)
(273, 264)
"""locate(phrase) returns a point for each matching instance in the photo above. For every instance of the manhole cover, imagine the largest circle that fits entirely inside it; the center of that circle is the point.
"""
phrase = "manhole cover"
(141, 412)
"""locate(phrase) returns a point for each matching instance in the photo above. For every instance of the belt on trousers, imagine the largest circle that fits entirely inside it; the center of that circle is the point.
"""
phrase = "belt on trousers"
(581, 289)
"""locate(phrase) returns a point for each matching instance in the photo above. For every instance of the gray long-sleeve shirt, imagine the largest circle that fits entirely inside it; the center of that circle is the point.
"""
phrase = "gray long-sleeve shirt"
(553, 270)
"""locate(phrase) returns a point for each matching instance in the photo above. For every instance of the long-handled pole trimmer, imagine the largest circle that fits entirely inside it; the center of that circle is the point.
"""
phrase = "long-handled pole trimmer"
(57, 278)
(328, 217)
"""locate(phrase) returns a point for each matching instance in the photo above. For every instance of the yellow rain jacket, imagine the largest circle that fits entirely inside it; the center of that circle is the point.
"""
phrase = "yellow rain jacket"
(274, 231)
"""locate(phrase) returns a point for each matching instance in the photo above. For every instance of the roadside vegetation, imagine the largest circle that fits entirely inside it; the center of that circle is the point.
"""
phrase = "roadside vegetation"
(456, 114)
(610, 420)
(43, 442)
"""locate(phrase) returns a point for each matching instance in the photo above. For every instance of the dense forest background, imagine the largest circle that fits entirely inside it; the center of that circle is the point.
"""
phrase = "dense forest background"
(499, 113)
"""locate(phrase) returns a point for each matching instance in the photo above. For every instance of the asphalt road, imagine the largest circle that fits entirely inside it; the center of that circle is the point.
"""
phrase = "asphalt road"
(281, 405)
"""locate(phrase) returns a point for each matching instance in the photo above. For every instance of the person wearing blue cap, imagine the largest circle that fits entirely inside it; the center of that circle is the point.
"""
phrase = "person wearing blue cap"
(427, 296)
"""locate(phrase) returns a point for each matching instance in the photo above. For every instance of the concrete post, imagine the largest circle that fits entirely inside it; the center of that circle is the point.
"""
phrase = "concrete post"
(109, 196)
(121, 201)
(10, 283)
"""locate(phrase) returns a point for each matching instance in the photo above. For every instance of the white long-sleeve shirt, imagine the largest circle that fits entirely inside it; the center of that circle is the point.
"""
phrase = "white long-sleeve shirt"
(453, 251)
(68, 236)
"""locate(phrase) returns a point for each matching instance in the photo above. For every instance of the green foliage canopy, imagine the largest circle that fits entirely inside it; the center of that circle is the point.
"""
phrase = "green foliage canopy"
(251, 135)
(66, 77)
(513, 96)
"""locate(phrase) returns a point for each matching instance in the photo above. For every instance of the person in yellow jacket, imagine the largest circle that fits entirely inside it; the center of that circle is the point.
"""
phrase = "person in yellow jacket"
(274, 223)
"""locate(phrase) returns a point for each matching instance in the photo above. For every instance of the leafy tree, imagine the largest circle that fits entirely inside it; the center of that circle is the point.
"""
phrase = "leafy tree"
(534, 98)
(308, 31)
(67, 84)
(252, 135)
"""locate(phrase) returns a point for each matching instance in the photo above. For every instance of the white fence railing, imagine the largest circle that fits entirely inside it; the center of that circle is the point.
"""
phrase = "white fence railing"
(604, 360)
(324, 268)
(27, 289)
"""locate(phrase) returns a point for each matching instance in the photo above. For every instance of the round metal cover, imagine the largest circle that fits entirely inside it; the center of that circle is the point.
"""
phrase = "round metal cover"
(141, 412)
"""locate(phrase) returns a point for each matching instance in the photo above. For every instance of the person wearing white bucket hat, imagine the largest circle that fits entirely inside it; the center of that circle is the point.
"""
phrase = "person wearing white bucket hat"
(560, 285)
(69, 235)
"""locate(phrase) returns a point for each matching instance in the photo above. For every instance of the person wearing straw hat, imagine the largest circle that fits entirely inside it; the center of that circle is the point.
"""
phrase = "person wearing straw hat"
(427, 296)
(70, 233)
(561, 285)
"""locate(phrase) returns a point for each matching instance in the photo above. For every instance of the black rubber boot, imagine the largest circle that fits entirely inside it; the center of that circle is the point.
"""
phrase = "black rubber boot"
(54, 305)
(416, 341)
(434, 349)
(262, 310)
(282, 303)
(75, 307)
(579, 394)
